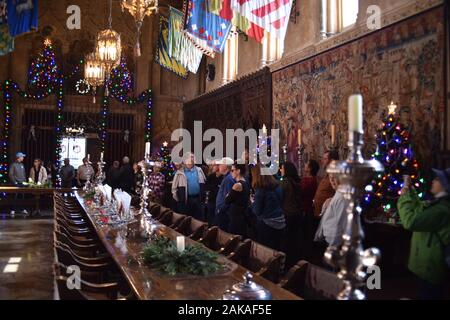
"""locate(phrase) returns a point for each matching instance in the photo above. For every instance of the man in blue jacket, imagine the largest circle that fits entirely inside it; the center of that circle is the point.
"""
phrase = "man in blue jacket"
(221, 219)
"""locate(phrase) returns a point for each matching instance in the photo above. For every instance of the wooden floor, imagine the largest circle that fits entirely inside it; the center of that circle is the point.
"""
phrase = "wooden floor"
(26, 251)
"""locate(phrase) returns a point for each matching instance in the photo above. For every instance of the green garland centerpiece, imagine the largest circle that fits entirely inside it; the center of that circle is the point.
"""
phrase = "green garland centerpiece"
(162, 254)
(89, 195)
(32, 184)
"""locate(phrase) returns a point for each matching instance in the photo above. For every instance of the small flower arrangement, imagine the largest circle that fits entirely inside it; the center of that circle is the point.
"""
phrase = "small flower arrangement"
(32, 184)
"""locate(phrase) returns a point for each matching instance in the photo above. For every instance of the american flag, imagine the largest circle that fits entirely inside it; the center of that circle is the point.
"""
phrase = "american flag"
(271, 15)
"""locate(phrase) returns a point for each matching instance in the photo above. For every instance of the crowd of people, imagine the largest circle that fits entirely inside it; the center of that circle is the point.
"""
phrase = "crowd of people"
(299, 216)
(281, 212)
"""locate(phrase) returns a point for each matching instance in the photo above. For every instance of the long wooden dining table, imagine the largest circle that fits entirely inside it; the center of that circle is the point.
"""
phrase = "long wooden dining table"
(149, 284)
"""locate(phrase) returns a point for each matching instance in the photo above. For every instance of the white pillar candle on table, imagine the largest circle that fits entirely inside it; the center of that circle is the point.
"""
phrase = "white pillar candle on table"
(147, 149)
(180, 243)
(89, 157)
(264, 129)
(101, 156)
(355, 113)
(299, 137)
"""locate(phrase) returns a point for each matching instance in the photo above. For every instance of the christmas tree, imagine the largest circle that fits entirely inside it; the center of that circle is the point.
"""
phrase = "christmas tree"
(167, 166)
(395, 152)
(120, 81)
(44, 72)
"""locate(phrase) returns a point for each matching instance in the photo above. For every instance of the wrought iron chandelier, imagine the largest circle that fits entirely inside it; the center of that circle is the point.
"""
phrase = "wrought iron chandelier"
(109, 47)
(94, 72)
(139, 9)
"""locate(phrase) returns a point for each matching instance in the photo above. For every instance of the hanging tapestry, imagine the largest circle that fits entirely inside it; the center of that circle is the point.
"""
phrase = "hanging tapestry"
(22, 16)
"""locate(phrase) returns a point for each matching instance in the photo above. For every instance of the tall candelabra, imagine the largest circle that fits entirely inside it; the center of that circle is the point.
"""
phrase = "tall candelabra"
(285, 152)
(353, 175)
(145, 190)
(101, 176)
(300, 151)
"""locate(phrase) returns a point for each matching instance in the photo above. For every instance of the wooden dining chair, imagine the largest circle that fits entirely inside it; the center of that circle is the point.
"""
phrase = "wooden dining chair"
(192, 228)
(312, 282)
(88, 250)
(261, 260)
(172, 219)
(220, 241)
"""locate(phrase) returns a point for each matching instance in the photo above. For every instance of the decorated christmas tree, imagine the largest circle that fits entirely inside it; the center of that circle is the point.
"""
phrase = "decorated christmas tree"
(167, 165)
(395, 152)
(120, 81)
(44, 72)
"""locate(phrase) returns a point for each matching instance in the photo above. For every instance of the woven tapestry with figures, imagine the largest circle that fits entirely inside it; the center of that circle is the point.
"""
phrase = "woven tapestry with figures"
(401, 63)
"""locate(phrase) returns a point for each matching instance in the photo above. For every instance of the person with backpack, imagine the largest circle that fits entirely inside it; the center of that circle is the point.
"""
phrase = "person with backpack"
(293, 213)
(430, 224)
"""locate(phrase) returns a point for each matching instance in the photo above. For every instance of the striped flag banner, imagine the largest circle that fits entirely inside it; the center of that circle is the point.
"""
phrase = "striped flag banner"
(179, 46)
(271, 15)
(162, 56)
(223, 9)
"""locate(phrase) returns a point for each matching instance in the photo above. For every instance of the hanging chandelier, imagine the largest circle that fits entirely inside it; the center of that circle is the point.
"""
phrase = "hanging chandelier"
(94, 72)
(139, 9)
(108, 47)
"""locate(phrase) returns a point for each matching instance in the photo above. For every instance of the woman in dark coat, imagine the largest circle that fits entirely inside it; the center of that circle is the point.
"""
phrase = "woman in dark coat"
(238, 201)
(292, 209)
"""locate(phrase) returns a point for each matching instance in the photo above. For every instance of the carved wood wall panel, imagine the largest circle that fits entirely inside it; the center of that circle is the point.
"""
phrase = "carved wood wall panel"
(244, 103)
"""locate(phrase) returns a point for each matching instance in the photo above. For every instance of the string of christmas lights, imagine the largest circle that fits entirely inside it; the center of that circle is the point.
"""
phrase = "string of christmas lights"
(168, 168)
(120, 81)
(103, 121)
(44, 72)
(394, 151)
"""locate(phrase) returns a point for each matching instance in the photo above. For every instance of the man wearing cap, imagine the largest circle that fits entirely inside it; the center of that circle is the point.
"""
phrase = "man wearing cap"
(17, 170)
(221, 219)
(17, 175)
(188, 188)
(430, 223)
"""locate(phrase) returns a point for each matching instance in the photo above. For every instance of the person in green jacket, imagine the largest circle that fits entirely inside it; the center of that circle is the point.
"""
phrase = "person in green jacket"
(430, 223)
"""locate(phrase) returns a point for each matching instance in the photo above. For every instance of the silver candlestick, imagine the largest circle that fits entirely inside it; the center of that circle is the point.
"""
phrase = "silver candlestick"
(145, 190)
(285, 152)
(101, 175)
(300, 150)
(353, 175)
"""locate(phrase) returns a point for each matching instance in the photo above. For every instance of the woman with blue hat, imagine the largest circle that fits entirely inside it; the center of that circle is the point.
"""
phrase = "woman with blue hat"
(430, 223)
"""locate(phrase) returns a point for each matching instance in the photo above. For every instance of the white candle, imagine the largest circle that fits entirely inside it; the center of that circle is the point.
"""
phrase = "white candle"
(299, 137)
(180, 243)
(147, 149)
(333, 134)
(264, 129)
(89, 157)
(101, 156)
(355, 116)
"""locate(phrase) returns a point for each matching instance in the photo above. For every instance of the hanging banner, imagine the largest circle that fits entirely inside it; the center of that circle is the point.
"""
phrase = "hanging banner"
(206, 29)
(271, 15)
(223, 9)
(179, 46)
(163, 57)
